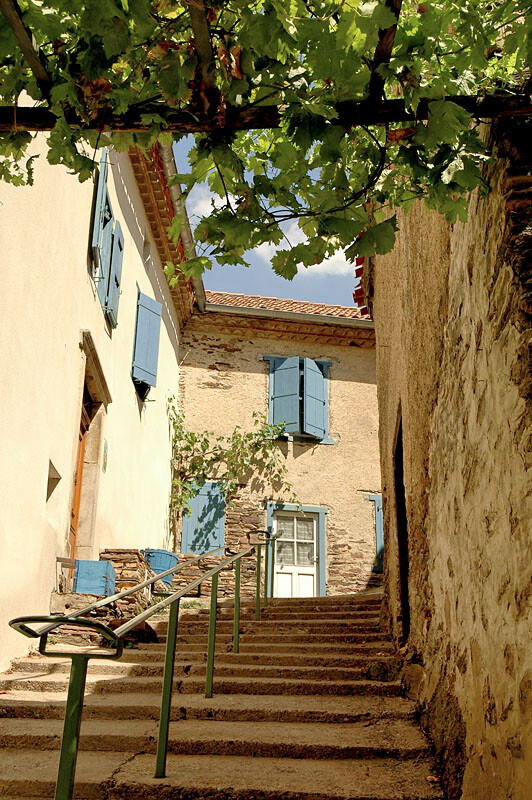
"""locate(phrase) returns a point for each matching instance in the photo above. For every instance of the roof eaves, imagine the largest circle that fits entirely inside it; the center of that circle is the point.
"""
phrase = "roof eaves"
(294, 316)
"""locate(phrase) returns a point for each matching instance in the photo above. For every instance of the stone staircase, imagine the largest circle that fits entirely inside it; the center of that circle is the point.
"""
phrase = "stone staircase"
(310, 709)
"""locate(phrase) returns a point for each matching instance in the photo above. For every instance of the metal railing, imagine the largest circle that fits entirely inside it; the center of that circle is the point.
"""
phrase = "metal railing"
(79, 659)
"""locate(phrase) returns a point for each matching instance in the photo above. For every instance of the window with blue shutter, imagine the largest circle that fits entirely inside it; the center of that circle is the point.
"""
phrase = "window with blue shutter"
(204, 527)
(107, 245)
(115, 274)
(379, 533)
(299, 396)
(146, 347)
(285, 393)
(314, 399)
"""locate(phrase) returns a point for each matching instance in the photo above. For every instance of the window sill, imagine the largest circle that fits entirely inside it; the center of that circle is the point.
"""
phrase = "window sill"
(304, 440)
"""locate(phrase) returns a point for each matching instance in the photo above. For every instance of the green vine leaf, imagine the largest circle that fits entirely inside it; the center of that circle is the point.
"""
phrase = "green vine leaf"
(314, 171)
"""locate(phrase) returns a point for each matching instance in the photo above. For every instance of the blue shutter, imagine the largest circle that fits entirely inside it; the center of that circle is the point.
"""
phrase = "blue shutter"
(285, 393)
(379, 533)
(146, 350)
(102, 232)
(314, 399)
(111, 306)
(94, 577)
(204, 527)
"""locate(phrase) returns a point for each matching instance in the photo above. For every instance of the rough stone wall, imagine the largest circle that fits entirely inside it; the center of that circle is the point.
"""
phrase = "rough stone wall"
(410, 290)
(240, 519)
(467, 474)
(224, 379)
(131, 568)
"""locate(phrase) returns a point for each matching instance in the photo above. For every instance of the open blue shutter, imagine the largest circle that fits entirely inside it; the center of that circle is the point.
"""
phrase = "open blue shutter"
(314, 400)
(102, 232)
(204, 528)
(379, 533)
(146, 351)
(113, 294)
(285, 393)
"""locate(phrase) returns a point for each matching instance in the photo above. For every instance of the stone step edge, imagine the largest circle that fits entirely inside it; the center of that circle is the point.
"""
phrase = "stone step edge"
(241, 778)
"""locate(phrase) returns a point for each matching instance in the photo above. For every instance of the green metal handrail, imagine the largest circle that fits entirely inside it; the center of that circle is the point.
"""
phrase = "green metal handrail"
(79, 660)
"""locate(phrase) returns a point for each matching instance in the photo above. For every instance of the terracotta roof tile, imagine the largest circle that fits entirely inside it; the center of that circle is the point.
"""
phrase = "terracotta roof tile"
(153, 190)
(282, 304)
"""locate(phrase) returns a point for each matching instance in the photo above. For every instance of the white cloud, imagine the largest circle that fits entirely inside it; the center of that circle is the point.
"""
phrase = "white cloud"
(199, 201)
(199, 204)
(337, 264)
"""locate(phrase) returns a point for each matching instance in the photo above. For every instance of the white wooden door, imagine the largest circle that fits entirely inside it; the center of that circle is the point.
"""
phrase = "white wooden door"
(295, 556)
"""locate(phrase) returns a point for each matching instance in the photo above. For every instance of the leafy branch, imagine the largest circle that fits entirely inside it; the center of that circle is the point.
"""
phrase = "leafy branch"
(288, 102)
(231, 461)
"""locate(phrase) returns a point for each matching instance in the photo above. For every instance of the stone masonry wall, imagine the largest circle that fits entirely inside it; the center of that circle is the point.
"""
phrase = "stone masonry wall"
(131, 568)
(224, 379)
(240, 519)
(467, 446)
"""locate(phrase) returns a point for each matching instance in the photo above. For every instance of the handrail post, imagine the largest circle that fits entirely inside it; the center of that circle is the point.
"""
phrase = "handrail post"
(212, 636)
(236, 615)
(272, 572)
(166, 695)
(266, 569)
(257, 594)
(70, 741)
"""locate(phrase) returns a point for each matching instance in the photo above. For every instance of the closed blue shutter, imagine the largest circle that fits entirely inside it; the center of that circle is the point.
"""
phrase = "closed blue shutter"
(285, 393)
(94, 577)
(113, 294)
(314, 400)
(204, 527)
(102, 232)
(146, 350)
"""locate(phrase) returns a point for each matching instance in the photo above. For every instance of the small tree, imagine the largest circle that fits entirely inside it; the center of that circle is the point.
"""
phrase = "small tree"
(230, 460)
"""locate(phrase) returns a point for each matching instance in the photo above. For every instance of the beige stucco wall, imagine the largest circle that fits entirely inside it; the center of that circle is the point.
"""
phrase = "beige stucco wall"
(47, 299)
(453, 328)
(224, 379)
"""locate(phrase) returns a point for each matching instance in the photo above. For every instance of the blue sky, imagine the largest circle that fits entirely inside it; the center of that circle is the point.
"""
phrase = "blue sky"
(329, 282)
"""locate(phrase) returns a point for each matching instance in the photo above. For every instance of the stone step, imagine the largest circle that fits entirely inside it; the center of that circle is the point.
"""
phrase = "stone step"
(277, 614)
(281, 647)
(346, 601)
(288, 637)
(237, 708)
(381, 739)
(222, 685)
(251, 627)
(122, 775)
(227, 668)
(333, 659)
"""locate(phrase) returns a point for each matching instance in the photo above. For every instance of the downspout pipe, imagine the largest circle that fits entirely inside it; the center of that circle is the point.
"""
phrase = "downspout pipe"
(170, 169)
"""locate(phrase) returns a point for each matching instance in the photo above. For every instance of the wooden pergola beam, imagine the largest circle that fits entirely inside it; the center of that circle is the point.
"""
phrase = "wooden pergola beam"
(350, 114)
(383, 52)
(32, 54)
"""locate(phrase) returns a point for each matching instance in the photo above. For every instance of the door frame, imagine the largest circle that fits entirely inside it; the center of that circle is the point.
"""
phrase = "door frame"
(320, 511)
(295, 570)
(73, 525)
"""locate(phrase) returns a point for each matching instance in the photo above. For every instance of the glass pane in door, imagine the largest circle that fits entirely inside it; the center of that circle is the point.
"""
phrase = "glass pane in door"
(305, 554)
(285, 526)
(305, 529)
(284, 552)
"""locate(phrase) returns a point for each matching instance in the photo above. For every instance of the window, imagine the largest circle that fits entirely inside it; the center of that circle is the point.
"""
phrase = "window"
(107, 247)
(146, 347)
(299, 396)
(204, 527)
